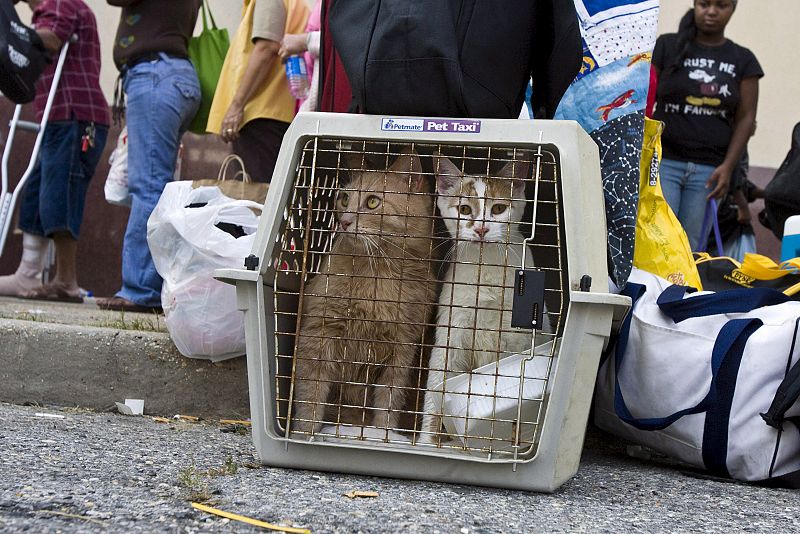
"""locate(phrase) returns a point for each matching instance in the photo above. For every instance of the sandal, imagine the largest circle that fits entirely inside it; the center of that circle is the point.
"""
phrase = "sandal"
(53, 293)
(125, 305)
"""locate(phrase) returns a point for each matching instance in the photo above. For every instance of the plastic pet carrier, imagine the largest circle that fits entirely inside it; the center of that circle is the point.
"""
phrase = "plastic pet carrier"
(427, 299)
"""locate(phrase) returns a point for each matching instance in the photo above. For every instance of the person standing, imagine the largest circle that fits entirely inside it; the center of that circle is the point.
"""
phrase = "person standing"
(75, 134)
(163, 95)
(707, 96)
(253, 107)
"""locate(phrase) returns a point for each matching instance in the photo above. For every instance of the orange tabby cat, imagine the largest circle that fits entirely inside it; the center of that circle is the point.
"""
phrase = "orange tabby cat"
(364, 315)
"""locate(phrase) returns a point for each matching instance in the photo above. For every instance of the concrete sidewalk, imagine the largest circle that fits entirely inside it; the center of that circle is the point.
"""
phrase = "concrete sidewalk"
(80, 355)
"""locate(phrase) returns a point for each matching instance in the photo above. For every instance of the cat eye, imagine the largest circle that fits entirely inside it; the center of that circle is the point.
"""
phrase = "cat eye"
(373, 202)
(344, 198)
(465, 209)
(497, 209)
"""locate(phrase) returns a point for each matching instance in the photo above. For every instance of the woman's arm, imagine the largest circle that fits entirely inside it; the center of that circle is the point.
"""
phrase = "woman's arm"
(258, 67)
(50, 40)
(743, 125)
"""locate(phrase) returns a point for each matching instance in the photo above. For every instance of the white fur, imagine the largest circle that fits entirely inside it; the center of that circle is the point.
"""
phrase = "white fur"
(474, 313)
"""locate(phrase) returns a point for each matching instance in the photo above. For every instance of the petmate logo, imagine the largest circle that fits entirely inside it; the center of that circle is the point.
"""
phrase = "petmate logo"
(402, 125)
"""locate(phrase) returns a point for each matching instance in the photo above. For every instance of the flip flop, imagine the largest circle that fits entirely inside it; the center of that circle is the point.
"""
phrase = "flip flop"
(52, 293)
(124, 305)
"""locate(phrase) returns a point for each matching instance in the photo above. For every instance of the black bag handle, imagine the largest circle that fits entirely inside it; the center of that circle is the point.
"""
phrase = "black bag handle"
(788, 391)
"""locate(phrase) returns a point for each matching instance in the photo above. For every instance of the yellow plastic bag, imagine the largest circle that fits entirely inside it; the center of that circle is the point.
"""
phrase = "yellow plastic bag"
(661, 245)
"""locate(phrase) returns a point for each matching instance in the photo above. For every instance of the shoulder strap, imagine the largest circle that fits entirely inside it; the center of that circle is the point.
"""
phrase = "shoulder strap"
(710, 218)
(672, 303)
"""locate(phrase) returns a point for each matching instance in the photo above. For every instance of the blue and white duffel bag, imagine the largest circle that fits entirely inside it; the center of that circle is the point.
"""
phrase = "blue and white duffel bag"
(711, 379)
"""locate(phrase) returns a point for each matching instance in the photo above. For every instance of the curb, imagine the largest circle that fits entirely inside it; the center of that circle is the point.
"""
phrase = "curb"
(92, 367)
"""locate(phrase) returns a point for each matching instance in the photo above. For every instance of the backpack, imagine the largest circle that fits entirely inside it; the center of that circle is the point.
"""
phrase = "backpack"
(711, 379)
(456, 58)
(782, 194)
(22, 56)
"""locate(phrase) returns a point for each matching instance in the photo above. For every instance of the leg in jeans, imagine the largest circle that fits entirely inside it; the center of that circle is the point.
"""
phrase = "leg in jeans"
(693, 202)
(684, 187)
(64, 175)
(163, 97)
(672, 175)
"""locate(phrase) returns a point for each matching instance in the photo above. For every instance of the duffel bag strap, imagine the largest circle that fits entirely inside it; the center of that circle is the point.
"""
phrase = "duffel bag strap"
(672, 303)
(635, 291)
(727, 354)
(725, 361)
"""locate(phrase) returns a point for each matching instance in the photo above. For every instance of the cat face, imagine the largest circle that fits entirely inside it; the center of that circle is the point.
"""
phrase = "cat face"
(390, 203)
(479, 208)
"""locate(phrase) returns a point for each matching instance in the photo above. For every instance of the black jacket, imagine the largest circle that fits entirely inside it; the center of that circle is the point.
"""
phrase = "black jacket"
(457, 58)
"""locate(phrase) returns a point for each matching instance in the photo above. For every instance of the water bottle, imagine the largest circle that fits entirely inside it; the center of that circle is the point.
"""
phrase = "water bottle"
(297, 76)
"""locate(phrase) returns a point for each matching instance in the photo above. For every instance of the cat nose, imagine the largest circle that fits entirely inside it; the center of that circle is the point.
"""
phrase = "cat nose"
(481, 231)
(345, 224)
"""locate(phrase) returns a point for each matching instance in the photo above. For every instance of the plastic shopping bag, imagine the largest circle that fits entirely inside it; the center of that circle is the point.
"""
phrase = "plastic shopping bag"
(187, 245)
(207, 53)
(116, 186)
(662, 247)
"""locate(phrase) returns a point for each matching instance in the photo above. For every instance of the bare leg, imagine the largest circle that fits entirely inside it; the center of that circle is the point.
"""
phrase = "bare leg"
(29, 273)
(66, 261)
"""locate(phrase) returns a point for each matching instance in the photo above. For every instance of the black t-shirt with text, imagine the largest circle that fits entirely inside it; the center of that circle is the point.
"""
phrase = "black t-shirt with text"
(698, 100)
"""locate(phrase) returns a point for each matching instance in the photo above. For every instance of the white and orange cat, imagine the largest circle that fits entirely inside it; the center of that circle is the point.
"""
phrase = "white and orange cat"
(364, 315)
(473, 323)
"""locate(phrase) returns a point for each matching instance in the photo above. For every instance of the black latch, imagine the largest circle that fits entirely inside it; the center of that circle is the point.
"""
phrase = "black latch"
(527, 311)
(586, 283)
(251, 262)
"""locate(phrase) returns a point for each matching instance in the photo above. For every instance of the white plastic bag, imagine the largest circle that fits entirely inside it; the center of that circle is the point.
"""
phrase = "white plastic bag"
(187, 246)
(116, 186)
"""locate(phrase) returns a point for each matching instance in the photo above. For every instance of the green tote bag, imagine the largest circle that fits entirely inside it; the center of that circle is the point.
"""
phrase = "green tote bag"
(207, 52)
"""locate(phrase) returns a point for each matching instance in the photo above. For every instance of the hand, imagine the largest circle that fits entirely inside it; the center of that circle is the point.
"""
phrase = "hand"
(743, 215)
(720, 181)
(231, 123)
(292, 44)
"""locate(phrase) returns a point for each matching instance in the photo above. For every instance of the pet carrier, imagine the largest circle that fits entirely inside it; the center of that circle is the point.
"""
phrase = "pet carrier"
(426, 299)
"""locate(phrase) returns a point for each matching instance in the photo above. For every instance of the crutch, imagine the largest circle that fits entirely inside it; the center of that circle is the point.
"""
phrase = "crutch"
(7, 198)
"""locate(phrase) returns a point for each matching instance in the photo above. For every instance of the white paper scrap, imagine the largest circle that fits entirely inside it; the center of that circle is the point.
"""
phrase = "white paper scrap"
(131, 407)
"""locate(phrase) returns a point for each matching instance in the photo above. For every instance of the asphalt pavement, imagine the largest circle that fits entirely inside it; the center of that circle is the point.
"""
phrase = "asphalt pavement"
(70, 471)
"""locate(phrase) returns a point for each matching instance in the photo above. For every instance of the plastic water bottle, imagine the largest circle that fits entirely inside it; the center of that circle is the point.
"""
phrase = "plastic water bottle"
(790, 245)
(297, 76)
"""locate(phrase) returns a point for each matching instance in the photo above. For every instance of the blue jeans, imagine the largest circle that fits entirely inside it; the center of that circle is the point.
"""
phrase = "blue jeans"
(55, 193)
(162, 98)
(684, 187)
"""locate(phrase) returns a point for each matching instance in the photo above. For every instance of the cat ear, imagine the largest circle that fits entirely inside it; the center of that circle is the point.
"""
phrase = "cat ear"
(518, 172)
(353, 161)
(409, 163)
(447, 175)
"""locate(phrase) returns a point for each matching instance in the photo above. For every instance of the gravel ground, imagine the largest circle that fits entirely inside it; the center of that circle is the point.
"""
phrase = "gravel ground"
(103, 472)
